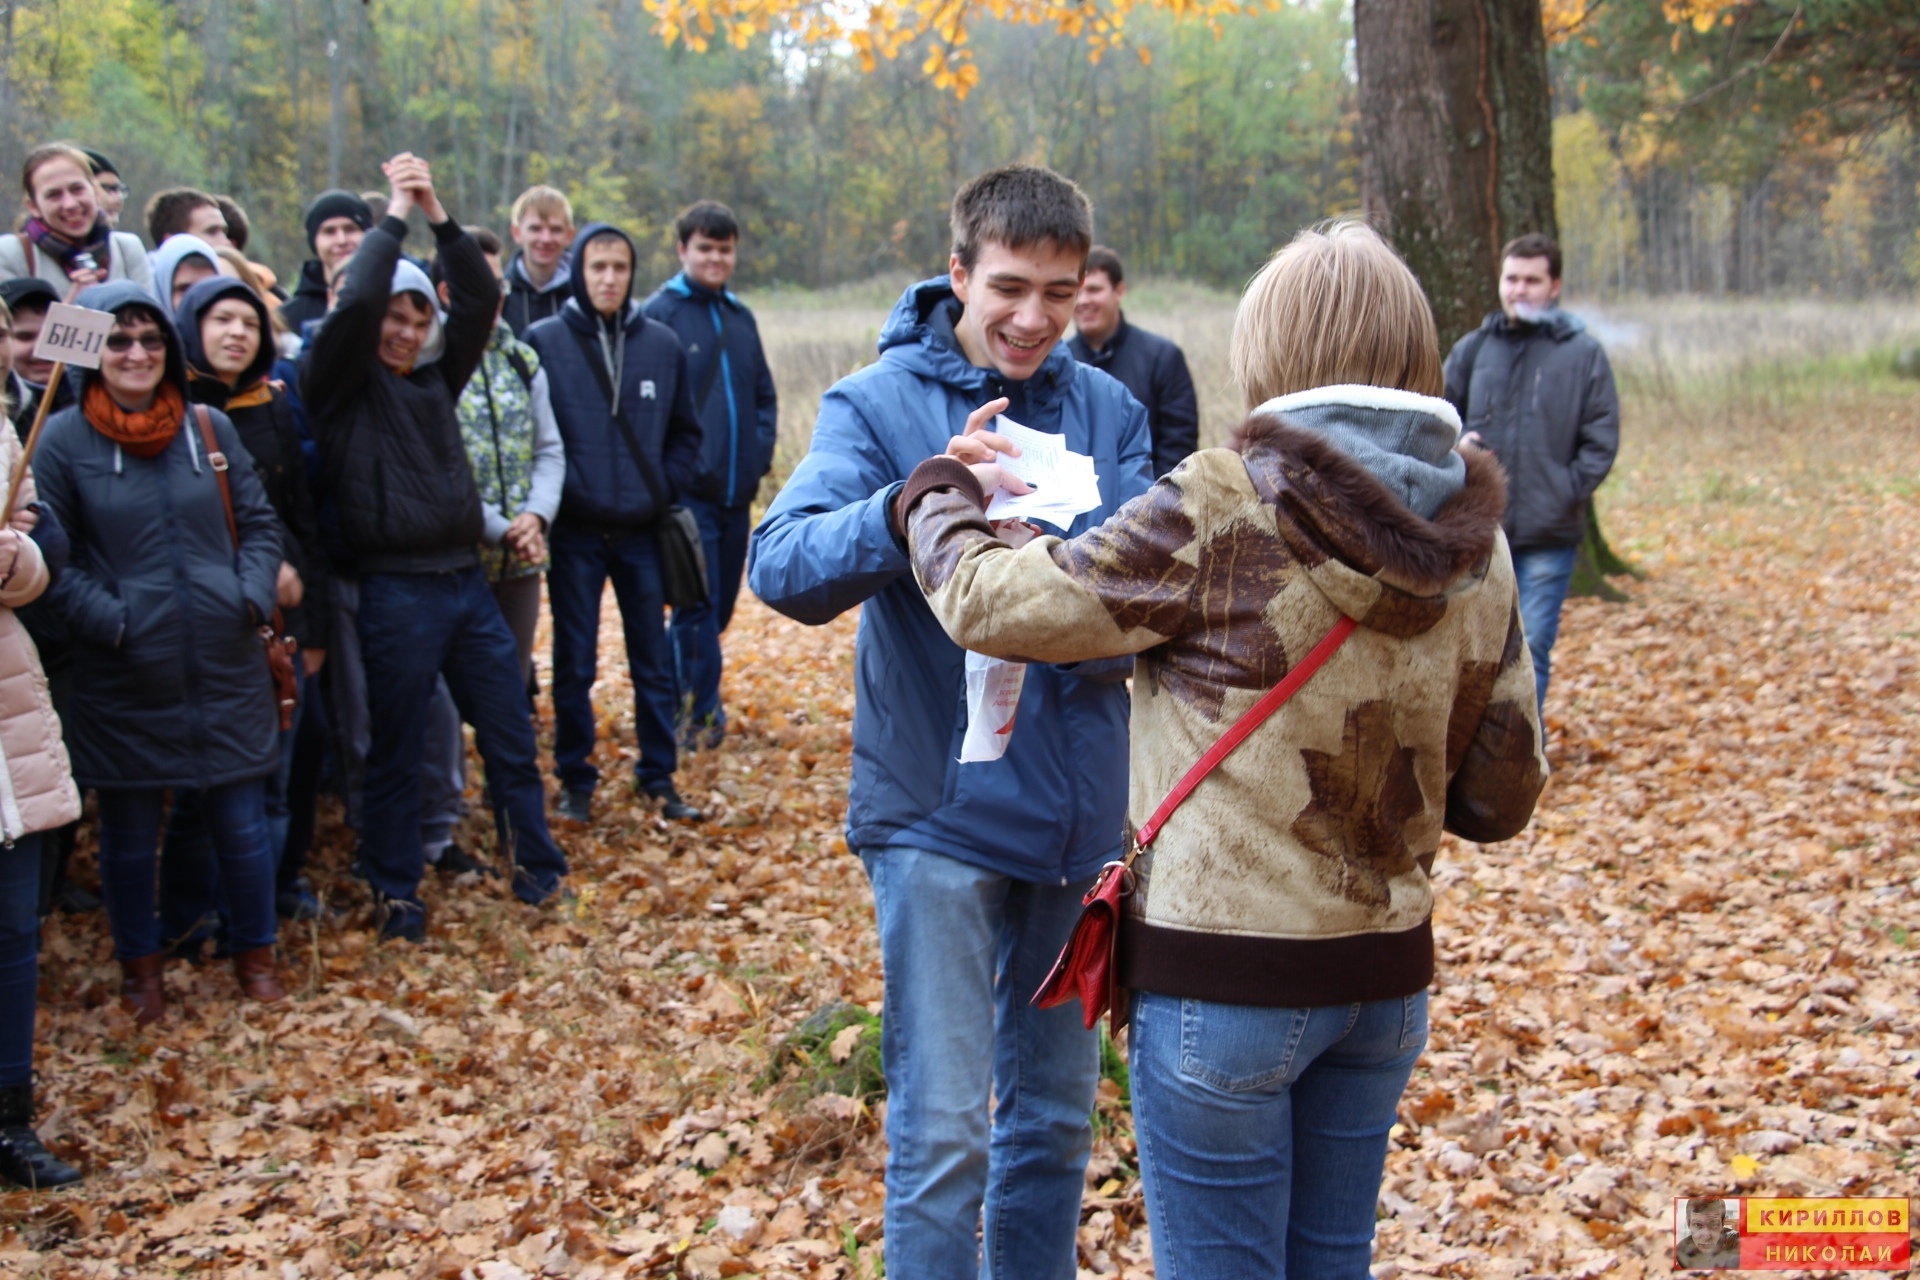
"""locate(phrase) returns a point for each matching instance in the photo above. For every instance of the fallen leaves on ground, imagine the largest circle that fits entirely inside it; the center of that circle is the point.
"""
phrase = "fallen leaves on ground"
(1694, 973)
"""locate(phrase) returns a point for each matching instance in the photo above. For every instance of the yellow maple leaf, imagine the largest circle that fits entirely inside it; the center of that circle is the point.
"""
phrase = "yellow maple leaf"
(1744, 1167)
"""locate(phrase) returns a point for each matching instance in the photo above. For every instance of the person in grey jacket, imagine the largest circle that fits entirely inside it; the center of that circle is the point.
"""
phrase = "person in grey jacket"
(165, 598)
(1534, 387)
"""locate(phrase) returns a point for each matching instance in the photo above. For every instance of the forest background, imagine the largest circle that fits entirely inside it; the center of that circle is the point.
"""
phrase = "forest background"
(1202, 149)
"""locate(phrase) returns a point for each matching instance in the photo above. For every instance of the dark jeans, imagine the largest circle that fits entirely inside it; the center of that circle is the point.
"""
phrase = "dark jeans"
(413, 628)
(695, 632)
(189, 871)
(19, 956)
(235, 819)
(582, 563)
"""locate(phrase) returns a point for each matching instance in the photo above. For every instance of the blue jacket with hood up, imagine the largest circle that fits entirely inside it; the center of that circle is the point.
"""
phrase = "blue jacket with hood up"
(605, 490)
(741, 415)
(1053, 809)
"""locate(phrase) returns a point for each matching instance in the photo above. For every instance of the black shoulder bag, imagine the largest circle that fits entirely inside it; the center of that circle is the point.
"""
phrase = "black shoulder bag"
(683, 560)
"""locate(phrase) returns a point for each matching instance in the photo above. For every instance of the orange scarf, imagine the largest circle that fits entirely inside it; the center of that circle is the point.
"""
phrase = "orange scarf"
(144, 435)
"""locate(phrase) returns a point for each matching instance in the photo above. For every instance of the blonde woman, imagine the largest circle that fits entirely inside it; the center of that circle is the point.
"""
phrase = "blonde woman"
(1278, 940)
(65, 238)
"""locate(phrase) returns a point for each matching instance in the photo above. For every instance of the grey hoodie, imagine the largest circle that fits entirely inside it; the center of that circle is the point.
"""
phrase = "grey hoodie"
(1404, 440)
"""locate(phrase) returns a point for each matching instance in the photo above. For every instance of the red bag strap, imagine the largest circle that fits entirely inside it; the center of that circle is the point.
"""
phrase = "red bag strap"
(1256, 715)
(218, 461)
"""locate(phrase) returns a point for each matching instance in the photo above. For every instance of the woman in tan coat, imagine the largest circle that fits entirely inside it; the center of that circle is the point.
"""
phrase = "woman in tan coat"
(1278, 939)
(36, 795)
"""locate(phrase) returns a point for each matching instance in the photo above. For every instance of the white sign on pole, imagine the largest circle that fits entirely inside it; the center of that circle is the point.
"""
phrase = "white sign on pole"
(73, 335)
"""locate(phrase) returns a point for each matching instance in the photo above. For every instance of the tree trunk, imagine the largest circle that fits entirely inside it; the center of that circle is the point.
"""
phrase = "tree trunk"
(1456, 115)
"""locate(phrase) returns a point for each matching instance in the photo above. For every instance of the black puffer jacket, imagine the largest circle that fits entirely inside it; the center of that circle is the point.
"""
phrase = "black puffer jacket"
(267, 428)
(392, 459)
(1542, 398)
(170, 686)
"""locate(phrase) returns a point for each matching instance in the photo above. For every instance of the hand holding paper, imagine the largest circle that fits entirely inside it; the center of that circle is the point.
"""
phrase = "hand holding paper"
(1060, 484)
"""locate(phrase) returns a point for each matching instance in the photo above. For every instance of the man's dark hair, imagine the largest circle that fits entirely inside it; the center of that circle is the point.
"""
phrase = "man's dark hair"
(489, 243)
(1019, 206)
(170, 212)
(1101, 258)
(708, 218)
(239, 230)
(1696, 1205)
(1535, 244)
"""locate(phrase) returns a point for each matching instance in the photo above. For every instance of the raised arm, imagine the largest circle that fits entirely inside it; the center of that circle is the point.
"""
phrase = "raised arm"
(344, 353)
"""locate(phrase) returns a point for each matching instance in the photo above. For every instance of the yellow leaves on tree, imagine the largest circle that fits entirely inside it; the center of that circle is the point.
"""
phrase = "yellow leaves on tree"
(885, 28)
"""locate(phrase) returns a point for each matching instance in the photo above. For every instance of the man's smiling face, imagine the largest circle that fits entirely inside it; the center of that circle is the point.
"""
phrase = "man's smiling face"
(1018, 303)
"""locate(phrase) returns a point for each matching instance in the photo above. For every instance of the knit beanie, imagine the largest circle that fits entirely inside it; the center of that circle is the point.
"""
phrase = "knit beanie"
(337, 204)
(100, 163)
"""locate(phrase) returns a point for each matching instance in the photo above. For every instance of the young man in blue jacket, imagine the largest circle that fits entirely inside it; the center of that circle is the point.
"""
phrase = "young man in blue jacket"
(977, 869)
(620, 395)
(733, 394)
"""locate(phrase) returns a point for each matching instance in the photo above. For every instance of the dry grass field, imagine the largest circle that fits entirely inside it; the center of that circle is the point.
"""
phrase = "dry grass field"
(1696, 972)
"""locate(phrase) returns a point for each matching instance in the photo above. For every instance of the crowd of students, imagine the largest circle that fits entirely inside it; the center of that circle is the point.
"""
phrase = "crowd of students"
(386, 462)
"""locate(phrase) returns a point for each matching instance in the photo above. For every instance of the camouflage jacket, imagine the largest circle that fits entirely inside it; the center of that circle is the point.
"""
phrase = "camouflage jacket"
(1297, 874)
(513, 442)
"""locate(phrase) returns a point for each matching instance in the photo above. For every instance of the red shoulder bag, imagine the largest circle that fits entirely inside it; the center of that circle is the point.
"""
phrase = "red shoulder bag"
(1088, 967)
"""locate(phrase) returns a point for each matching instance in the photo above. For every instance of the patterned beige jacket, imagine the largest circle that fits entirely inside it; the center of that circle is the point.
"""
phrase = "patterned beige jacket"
(1297, 874)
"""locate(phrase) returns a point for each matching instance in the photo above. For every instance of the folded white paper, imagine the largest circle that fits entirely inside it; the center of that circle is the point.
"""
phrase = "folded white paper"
(1064, 483)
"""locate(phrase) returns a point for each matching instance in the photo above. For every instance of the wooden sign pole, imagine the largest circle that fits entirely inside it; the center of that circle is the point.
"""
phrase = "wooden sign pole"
(33, 440)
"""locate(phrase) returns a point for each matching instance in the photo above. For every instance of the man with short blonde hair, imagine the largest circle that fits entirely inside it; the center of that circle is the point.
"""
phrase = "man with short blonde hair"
(538, 278)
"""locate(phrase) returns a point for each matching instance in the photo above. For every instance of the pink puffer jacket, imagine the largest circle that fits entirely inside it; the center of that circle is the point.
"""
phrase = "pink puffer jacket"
(36, 781)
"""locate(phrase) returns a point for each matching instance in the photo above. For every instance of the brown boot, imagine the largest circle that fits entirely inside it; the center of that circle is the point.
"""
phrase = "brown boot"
(257, 980)
(142, 989)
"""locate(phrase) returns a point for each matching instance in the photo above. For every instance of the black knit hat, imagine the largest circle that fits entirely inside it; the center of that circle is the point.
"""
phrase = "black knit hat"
(337, 204)
(27, 288)
(100, 163)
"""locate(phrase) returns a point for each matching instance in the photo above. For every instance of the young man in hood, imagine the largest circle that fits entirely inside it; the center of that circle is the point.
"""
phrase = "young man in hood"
(539, 280)
(383, 377)
(1534, 387)
(977, 869)
(620, 395)
(740, 415)
(336, 221)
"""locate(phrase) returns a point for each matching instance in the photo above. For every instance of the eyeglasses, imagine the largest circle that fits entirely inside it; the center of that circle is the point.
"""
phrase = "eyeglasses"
(112, 188)
(153, 342)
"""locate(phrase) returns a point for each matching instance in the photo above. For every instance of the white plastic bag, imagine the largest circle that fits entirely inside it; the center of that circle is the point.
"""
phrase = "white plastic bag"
(993, 698)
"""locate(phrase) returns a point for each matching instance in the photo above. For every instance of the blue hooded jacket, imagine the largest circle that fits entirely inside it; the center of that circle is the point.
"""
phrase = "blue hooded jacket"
(1053, 809)
(740, 415)
(605, 488)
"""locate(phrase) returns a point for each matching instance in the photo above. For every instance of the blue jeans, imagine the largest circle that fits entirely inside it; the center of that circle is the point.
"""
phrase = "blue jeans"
(234, 817)
(1263, 1131)
(582, 563)
(415, 628)
(19, 956)
(989, 1100)
(695, 632)
(1543, 577)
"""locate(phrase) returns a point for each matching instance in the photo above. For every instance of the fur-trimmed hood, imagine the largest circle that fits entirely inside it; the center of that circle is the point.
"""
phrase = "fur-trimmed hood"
(1372, 541)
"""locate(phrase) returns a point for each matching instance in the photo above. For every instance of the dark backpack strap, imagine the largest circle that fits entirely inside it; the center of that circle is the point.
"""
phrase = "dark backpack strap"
(1469, 356)
(651, 478)
(520, 366)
